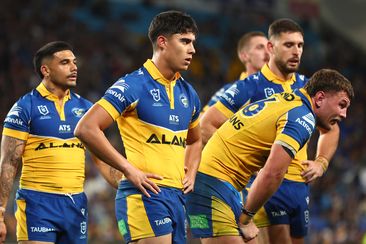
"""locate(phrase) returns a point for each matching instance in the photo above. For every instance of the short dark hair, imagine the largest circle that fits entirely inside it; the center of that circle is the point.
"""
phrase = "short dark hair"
(282, 26)
(171, 22)
(47, 51)
(245, 39)
(328, 80)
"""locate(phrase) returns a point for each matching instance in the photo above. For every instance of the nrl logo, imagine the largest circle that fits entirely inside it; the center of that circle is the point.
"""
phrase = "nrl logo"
(155, 94)
(43, 109)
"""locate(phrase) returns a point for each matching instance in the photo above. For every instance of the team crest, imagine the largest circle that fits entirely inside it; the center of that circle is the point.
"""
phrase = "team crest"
(155, 94)
(78, 112)
(184, 100)
(43, 109)
(269, 92)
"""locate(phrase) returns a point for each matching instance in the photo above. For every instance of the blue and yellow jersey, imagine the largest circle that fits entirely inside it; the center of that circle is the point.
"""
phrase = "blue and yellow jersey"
(53, 159)
(242, 144)
(153, 116)
(220, 92)
(259, 86)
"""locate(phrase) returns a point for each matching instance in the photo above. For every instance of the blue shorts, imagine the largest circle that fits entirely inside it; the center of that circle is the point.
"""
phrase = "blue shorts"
(141, 217)
(289, 205)
(49, 217)
(213, 208)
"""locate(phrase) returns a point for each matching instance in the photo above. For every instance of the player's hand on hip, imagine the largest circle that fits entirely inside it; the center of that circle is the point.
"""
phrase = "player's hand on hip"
(2, 232)
(142, 180)
(312, 171)
(188, 183)
(249, 231)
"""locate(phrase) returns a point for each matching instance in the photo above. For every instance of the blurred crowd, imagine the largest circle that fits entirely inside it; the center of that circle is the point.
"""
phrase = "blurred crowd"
(110, 40)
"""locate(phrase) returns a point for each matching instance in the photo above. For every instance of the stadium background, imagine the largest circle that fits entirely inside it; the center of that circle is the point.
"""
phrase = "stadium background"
(110, 40)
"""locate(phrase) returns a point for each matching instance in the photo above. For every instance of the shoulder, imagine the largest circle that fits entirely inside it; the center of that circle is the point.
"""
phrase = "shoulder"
(80, 100)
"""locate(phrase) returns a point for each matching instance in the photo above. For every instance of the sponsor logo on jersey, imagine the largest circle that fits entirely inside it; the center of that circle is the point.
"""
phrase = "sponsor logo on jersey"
(268, 91)
(199, 221)
(15, 110)
(16, 121)
(43, 109)
(177, 141)
(184, 100)
(278, 213)
(117, 95)
(155, 94)
(41, 229)
(162, 221)
(232, 91)
(174, 119)
(120, 85)
(42, 146)
(305, 121)
(64, 128)
(78, 112)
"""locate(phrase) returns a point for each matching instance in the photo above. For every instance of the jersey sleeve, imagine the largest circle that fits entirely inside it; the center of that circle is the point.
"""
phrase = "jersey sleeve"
(295, 128)
(17, 121)
(238, 95)
(121, 96)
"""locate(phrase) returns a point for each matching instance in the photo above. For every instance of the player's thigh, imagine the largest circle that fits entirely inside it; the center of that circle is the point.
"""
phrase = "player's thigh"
(213, 208)
(299, 240)
(165, 239)
(34, 242)
(279, 234)
(223, 240)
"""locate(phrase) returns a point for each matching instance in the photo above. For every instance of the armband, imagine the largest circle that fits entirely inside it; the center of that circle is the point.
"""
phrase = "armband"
(247, 212)
(324, 162)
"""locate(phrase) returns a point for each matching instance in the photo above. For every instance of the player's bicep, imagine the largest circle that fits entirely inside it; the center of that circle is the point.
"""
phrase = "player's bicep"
(11, 151)
(96, 118)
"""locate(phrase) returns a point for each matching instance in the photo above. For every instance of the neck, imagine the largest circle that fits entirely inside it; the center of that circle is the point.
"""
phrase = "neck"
(58, 91)
(163, 67)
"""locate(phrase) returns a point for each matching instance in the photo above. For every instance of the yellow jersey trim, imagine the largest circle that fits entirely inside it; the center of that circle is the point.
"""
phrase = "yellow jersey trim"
(223, 109)
(109, 108)
(16, 134)
(286, 84)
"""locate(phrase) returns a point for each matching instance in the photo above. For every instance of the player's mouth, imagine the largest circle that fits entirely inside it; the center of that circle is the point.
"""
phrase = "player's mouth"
(72, 77)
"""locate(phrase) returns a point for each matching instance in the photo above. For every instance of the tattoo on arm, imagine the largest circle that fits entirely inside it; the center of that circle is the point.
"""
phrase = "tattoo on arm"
(116, 175)
(11, 158)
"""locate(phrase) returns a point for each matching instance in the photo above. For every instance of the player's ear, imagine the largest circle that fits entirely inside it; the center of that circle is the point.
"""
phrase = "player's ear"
(319, 98)
(161, 41)
(45, 70)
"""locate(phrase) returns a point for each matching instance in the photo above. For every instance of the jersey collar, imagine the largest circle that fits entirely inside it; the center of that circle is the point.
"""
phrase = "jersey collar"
(274, 78)
(156, 75)
(49, 95)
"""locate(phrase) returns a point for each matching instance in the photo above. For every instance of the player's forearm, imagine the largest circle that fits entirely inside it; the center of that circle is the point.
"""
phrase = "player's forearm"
(95, 140)
(263, 187)
(328, 142)
(207, 130)
(193, 157)
(110, 174)
(11, 157)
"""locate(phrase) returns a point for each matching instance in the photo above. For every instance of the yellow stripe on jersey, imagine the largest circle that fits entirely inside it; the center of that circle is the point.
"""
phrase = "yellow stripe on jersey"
(223, 218)
(138, 222)
(15, 133)
(109, 108)
(53, 165)
(21, 217)
(141, 139)
(223, 109)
